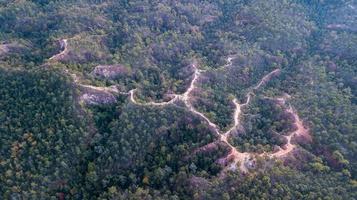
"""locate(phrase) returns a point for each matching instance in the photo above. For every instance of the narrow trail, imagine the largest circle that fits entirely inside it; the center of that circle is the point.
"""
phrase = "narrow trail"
(229, 62)
(185, 97)
(110, 89)
(266, 78)
(236, 116)
(246, 158)
(235, 158)
(132, 99)
(249, 95)
(64, 46)
(234, 155)
(300, 131)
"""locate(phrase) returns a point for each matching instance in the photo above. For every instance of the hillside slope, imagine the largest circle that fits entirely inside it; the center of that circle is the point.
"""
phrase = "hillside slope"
(248, 99)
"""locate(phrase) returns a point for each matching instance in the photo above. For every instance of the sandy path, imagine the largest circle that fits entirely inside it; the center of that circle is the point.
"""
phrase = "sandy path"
(266, 78)
(132, 99)
(64, 46)
(235, 155)
(236, 115)
(185, 97)
(246, 158)
(249, 95)
(300, 131)
(235, 158)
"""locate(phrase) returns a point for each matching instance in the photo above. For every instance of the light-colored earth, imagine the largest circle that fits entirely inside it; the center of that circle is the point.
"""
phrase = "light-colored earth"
(235, 159)
(3, 49)
(64, 46)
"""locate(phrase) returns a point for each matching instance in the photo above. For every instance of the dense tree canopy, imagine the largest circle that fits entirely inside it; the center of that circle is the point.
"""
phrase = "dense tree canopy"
(56, 145)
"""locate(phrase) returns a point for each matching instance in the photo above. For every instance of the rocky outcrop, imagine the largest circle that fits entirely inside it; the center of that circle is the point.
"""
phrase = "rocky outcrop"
(109, 71)
(93, 96)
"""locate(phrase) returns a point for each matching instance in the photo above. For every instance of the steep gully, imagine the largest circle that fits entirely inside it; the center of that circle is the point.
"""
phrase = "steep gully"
(241, 160)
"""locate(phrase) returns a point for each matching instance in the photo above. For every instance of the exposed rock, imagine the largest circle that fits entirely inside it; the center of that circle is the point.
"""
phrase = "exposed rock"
(95, 97)
(109, 71)
(98, 98)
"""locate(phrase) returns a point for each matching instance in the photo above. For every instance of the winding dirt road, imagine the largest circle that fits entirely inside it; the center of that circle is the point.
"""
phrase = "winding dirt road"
(300, 131)
(266, 78)
(235, 158)
(132, 99)
(64, 46)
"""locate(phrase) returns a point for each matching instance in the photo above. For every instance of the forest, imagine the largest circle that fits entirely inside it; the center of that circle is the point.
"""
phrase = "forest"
(164, 99)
